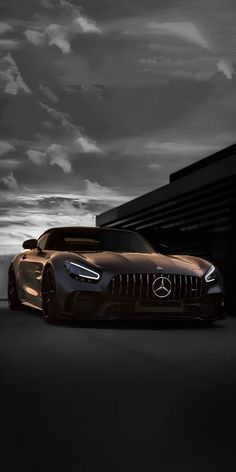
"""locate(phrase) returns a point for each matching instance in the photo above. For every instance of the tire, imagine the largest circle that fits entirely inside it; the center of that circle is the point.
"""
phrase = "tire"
(49, 296)
(13, 300)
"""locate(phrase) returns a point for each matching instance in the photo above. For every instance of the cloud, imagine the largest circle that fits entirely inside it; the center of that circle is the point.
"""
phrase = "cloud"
(11, 80)
(8, 182)
(59, 155)
(34, 37)
(37, 157)
(27, 215)
(201, 68)
(59, 35)
(100, 192)
(24, 222)
(184, 30)
(62, 118)
(5, 147)
(5, 28)
(49, 93)
(66, 4)
(54, 35)
(176, 147)
(226, 67)
(169, 144)
(56, 154)
(189, 75)
(87, 26)
(85, 144)
(9, 163)
(155, 165)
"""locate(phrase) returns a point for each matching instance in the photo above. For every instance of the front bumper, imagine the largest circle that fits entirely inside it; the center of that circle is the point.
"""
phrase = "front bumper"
(96, 305)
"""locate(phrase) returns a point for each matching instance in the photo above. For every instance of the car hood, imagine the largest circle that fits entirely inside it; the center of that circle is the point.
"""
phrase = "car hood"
(143, 263)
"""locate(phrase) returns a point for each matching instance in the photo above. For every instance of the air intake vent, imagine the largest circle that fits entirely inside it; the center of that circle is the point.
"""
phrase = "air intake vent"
(140, 286)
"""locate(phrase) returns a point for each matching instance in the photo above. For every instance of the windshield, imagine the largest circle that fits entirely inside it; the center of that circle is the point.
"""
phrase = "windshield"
(97, 241)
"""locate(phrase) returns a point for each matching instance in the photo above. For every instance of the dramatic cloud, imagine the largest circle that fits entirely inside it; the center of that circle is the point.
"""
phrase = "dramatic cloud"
(8, 182)
(189, 75)
(5, 147)
(143, 146)
(5, 28)
(59, 35)
(186, 31)
(82, 142)
(56, 154)
(62, 118)
(226, 68)
(11, 80)
(100, 192)
(49, 93)
(37, 157)
(35, 37)
(178, 148)
(59, 155)
(9, 164)
(87, 26)
(28, 215)
(54, 35)
(87, 145)
(155, 165)
(194, 68)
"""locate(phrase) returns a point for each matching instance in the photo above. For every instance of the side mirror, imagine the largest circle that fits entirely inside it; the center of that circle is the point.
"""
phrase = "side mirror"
(163, 248)
(30, 244)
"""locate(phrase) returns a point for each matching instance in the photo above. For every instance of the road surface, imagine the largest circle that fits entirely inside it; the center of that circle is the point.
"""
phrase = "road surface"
(117, 396)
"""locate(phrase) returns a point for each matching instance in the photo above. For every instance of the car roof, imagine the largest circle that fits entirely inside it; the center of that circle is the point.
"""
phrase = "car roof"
(83, 229)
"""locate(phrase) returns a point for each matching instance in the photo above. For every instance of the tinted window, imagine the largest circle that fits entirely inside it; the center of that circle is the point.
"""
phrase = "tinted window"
(42, 241)
(116, 241)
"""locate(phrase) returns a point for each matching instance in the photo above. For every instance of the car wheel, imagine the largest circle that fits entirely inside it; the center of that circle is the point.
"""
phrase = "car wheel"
(13, 300)
(49, 296)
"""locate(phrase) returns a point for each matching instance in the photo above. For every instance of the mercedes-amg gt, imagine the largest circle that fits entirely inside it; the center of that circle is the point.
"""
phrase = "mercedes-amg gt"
(102, 273)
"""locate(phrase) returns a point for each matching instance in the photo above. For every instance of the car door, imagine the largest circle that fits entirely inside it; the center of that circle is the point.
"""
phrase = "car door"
(31, 267)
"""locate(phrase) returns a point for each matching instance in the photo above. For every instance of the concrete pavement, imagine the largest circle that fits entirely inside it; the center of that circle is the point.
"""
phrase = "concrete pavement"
(117, 396)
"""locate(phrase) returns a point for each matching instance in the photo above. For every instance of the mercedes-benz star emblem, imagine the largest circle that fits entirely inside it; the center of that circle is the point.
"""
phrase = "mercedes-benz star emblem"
(161, 287)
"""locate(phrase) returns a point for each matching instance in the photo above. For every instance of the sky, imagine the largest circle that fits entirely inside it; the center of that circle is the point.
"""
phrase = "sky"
(101, 100)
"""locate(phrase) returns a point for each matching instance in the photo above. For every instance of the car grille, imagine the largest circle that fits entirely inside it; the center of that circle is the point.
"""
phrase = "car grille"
(140, 286)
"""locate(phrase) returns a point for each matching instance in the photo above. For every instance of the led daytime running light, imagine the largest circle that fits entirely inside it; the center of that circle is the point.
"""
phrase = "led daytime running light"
(211, 274)
(86, 273)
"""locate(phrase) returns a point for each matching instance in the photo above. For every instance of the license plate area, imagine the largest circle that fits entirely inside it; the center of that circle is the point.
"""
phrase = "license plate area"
(175, 307)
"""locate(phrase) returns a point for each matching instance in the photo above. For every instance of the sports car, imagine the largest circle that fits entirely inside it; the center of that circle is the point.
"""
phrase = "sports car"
(102, 273)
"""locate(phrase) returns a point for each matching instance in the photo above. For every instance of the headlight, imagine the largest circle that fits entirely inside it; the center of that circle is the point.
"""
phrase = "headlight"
(211, 274)
(81, 272)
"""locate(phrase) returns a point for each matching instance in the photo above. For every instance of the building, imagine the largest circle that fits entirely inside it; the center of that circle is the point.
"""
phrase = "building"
(194, 214)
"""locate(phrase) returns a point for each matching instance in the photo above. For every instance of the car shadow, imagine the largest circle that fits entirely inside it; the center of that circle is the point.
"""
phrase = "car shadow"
(151, 325)
(130, 324)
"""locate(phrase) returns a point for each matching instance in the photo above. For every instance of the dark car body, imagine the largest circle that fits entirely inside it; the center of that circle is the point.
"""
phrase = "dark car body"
(99, 273)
